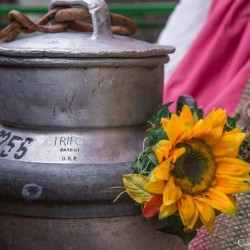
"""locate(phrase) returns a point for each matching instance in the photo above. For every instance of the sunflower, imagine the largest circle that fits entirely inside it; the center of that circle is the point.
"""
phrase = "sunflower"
(197, 173)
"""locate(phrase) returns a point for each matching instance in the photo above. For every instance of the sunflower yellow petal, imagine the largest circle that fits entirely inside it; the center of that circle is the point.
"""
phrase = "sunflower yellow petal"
(166, 211)
(235, 131)
(186, 115)
(231, 185)
(174, 128)
(134, 184)
(206, 214)
(176, 153)
(186, 208)
(171, 193)
(204, 209)
(220, 201)
(228, 145)
(181, 128)
(190, 225)
(218, 117)
(232, 167)
(201, 127)
(213, 136)
(155, 187)
(187, 133)
(215, 119)
(162, 172)
(167, 125)
(161, 150)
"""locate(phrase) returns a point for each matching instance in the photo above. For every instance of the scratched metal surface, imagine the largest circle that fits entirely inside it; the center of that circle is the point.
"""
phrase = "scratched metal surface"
(79, 97)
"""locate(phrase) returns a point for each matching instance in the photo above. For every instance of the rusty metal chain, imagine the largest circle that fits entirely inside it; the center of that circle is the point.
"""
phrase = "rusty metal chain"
(64, 18)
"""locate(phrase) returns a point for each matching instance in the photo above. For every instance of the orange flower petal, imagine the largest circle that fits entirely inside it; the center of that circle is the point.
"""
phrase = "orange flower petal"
(193, 219)
(218, 117)
(206, 214)
(186, 208)
(166, 211)
(187, 133)
(162, 172)
(171, 193)
(220, 201)
(186, 115)
(161, 150)
(201, 127)
(231, 185)
(174, 128)
(213, 136)
(155, 186)
(176, 153)
(152, 207)
(228, 145)
(232, 167)
(204, 209)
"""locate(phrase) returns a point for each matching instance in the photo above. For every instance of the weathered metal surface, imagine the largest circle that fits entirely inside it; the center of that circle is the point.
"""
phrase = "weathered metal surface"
(66, 174)
(66, 97)
(125, 232)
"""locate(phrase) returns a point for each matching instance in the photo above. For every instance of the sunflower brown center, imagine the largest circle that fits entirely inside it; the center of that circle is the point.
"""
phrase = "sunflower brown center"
(194, 170)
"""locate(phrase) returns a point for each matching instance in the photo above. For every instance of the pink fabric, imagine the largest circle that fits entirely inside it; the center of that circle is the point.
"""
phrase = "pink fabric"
(217, 66)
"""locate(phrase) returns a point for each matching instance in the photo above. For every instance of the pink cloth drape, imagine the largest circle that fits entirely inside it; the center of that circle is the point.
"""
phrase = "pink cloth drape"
(217, 66)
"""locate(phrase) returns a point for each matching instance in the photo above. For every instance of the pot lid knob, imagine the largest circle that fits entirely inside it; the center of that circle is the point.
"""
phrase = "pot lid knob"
(99, 14)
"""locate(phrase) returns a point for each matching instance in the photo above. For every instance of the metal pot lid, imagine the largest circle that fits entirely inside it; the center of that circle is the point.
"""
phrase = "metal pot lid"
(102, 43)
(77, 45)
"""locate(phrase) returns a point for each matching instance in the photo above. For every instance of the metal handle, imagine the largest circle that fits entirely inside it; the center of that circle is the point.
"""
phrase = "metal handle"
(99, 14)
(186, 99)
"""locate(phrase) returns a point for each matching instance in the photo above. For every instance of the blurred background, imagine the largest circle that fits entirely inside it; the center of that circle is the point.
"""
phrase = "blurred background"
(150, 16)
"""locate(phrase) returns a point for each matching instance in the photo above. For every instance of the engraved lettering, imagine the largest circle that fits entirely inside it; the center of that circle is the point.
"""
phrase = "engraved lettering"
(78, 141)
(69, 150)
(62, 141)
(69, 158)
(55, 141)
(68, 141)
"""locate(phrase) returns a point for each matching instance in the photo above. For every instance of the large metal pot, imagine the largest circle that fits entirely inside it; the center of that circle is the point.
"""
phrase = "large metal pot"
(72, 110)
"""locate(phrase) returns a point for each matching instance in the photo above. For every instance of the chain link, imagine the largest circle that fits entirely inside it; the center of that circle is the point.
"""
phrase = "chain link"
(63, 18)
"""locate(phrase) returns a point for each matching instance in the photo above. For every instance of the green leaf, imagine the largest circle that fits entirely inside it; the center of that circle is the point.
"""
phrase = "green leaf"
(175, 227)
(145, 163)
(155, 135)
(137, 166)
(231, 124)
(163, 112)
(152, 157)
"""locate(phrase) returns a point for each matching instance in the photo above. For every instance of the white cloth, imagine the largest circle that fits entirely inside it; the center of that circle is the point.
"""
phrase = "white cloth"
(182, 28)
